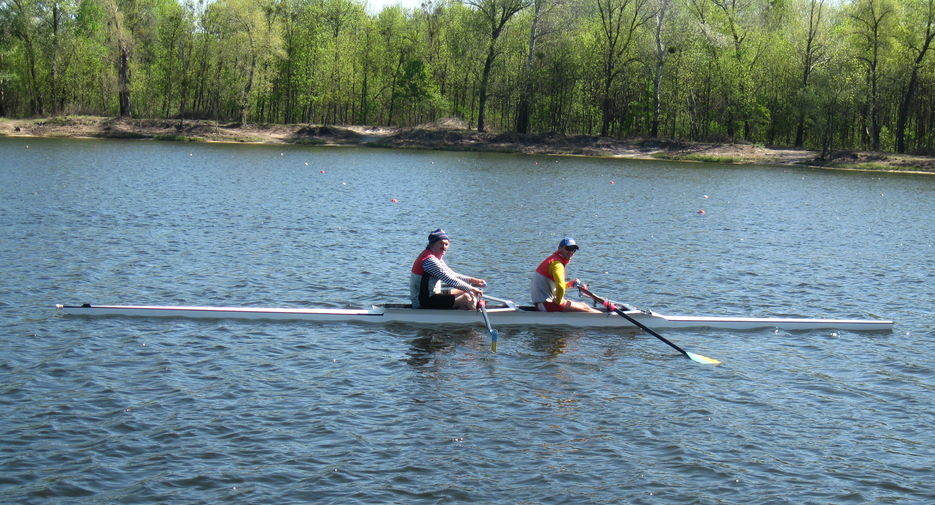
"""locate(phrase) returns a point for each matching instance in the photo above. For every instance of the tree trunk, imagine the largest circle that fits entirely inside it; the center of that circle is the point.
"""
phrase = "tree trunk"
(904, 112)
(497, 13)
(913, 84)
(874, 109)
(661, 51)
(605, 113)
(124, 77)
(485, 79)
(812, 51)
(522, 113)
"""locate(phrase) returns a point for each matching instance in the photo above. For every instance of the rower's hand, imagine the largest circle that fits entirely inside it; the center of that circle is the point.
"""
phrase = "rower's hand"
(478, 282)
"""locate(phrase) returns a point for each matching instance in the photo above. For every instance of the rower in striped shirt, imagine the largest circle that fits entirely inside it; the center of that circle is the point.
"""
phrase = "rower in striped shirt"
(430, 272)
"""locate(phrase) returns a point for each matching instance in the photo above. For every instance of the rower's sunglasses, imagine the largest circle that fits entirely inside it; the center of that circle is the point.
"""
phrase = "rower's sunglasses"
(571, 248)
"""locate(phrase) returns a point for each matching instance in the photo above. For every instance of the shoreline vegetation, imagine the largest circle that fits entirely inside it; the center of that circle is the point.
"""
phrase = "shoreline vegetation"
(453, 135)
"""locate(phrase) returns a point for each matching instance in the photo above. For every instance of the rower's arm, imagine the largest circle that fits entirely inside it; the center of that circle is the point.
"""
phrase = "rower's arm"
(443, 272)
(557, 270)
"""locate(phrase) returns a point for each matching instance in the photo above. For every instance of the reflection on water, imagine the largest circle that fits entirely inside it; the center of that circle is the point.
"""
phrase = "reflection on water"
(554, 341)
(430, 342)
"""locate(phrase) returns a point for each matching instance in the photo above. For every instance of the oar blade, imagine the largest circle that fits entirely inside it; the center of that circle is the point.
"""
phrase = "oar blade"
(611, 306)
(482, 307)
(701, 359)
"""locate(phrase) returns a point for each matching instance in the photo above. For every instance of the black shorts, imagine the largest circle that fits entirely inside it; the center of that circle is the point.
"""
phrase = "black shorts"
(443, 302)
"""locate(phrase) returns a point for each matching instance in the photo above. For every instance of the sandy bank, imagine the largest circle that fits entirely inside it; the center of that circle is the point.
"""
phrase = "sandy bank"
(451, 135)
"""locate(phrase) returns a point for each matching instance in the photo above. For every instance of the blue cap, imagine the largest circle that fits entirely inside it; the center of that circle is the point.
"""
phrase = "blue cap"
(568, 242)
(438, 234)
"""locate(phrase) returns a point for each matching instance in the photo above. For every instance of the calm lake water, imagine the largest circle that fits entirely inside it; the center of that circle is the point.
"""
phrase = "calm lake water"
(115, 410)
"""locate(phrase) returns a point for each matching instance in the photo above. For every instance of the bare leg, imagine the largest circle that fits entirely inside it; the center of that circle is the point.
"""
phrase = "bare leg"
(463, 300)
(579, 307)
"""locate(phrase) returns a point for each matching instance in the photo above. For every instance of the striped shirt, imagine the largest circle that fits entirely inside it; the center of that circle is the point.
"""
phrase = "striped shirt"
(435, 273)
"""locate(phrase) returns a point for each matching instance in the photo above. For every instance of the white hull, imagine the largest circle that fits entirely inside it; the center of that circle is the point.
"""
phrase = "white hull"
(498, 317)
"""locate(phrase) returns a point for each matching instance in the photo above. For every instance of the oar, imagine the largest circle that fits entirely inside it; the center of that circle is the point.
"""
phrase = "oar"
(610, 306)
(482, 307)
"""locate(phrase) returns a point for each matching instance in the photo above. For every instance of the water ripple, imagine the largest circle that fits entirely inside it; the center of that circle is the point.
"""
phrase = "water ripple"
(173, 411)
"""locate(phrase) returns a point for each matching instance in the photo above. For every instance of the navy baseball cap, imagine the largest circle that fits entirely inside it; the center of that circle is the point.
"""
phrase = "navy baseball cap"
(568, 242)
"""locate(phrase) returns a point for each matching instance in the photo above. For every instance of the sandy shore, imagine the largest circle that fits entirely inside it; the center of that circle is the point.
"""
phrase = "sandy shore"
(451, 135)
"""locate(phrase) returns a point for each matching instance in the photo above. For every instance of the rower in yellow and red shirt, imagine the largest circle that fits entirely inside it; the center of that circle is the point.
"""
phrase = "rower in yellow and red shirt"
(549, 285)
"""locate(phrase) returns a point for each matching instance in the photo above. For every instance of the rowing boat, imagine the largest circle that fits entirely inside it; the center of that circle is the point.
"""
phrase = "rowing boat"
(509, 314)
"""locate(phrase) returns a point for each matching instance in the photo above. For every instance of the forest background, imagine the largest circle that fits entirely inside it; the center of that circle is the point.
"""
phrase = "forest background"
(819, 74)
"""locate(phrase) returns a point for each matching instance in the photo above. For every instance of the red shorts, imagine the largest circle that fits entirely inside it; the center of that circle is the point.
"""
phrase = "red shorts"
(552, 306)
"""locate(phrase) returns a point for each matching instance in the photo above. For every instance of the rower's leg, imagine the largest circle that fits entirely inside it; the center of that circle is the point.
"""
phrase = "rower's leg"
(465, 301)
(579, 307)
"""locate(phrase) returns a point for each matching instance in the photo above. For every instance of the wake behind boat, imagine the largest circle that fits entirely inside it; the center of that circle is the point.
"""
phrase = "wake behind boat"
(505, 314)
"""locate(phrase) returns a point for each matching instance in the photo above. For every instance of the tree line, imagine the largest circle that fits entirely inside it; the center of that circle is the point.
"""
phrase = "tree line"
(822, 74)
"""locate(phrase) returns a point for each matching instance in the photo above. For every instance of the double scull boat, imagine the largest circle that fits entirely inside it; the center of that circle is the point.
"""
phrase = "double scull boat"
(506, 313)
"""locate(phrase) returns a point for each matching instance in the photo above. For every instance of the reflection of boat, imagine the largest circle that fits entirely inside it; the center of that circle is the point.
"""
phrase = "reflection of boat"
(506, 314)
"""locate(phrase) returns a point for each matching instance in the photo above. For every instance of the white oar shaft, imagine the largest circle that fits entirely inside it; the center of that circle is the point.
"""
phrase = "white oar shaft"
(508, 303)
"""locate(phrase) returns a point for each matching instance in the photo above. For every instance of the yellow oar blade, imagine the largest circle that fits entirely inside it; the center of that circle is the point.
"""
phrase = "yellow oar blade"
(482, 307)
(702, 359)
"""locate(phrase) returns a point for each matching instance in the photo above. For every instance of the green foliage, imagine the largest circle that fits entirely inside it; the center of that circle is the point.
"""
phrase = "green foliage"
(753, 71)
